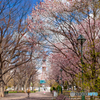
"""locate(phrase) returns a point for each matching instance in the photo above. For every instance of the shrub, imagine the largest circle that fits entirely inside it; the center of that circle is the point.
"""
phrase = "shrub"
(54, 88)
(58, 87)
(65, 87)
(20, 91)
(12, 91)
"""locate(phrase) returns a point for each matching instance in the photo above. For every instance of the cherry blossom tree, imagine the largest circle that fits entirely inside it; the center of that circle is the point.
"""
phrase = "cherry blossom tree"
(69, 19)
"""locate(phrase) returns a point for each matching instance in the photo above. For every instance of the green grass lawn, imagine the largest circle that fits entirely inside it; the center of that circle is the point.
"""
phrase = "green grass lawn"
(20, 91)
(12, 92)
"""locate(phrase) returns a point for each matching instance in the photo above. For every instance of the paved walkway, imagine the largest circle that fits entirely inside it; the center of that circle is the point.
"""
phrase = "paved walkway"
(24, 96)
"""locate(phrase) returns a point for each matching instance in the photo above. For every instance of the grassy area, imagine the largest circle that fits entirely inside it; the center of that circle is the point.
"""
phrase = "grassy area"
(20, 91)
(33, 91)
(66, 91)
(12, 92)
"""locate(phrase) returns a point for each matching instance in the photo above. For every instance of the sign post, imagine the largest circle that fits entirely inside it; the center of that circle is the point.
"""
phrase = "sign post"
(42, 81)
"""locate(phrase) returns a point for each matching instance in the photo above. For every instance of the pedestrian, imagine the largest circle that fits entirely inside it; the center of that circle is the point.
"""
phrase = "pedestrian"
(28, 92)
(44, 90)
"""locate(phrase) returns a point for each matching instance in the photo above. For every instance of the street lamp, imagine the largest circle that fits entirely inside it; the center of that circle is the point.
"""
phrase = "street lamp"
(58, 82)
(39, 85)
(81, 40)
(61, 81)
(57, 79)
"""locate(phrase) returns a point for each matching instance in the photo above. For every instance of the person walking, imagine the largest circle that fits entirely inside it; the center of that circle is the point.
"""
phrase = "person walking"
(44, 90)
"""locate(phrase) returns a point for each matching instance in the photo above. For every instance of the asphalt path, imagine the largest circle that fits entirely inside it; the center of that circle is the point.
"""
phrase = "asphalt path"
(32, 96)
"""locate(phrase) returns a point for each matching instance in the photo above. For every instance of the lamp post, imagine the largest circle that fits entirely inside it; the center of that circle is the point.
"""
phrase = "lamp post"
(81, 40)
(39, 85)
(61, 81)
(58, 82)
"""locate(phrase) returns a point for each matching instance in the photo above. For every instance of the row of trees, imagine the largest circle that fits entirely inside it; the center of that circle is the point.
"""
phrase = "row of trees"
(23, 77)
(19, 49)
(60, 23)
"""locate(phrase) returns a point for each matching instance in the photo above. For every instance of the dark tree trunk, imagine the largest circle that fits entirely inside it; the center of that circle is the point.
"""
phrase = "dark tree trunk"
(1, 84)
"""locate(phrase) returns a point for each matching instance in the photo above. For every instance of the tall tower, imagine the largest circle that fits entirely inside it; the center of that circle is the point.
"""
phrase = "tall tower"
(43, 76)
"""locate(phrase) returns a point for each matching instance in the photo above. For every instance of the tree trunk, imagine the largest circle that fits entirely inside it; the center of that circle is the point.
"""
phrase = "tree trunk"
(1, 89)
(32, 86)
(25, 88)
(1, 83)
(14, 85)
(91, 97)
(20, 87)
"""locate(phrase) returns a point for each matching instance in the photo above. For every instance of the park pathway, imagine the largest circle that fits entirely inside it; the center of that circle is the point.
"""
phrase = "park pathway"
(24, 96)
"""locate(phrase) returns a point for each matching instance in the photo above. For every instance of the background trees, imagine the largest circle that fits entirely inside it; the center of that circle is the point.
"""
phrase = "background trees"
(22, 76)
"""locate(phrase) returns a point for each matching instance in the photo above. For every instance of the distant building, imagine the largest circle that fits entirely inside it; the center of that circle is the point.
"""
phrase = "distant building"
(44, 69)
